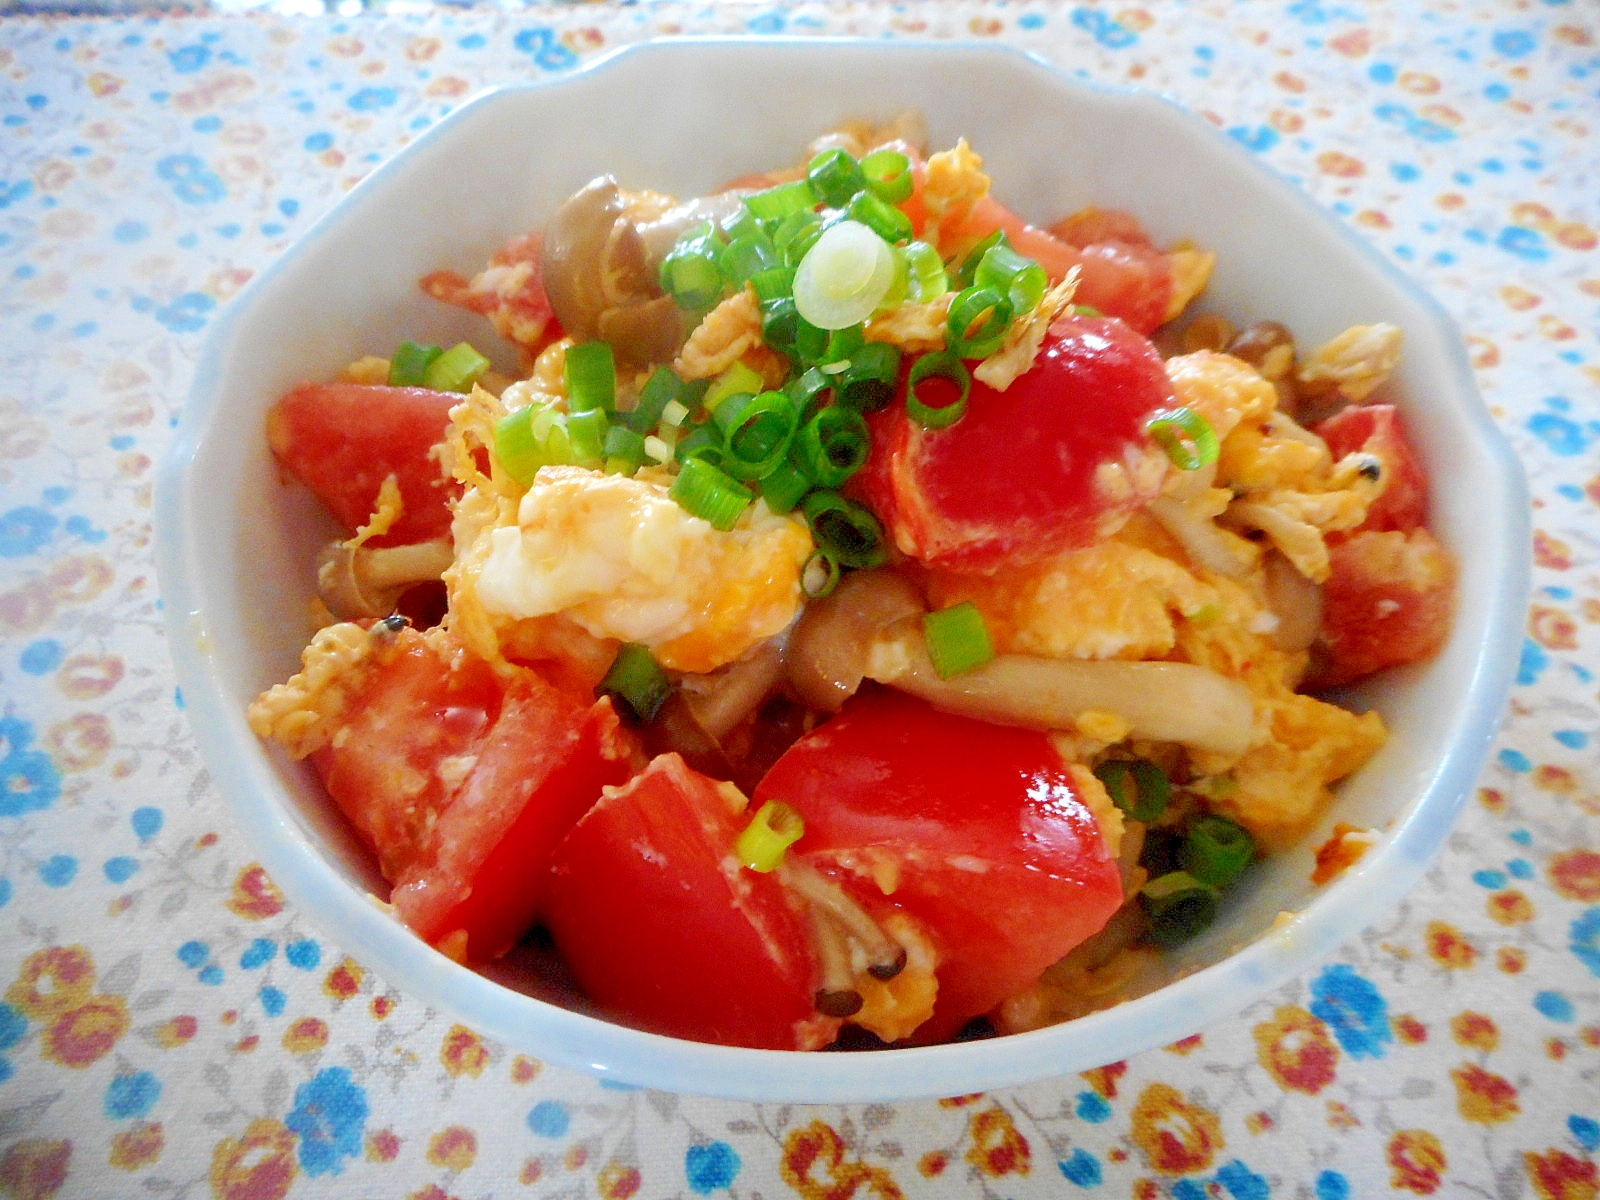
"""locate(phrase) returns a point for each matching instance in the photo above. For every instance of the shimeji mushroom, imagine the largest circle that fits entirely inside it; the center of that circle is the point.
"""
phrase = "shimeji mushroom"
(367, 581)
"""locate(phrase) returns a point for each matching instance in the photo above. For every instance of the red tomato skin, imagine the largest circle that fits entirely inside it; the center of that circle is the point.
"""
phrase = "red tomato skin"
(1124, 279)
(464, 784)
(1088, 226)
(510, 292)
(1388, 600)
(662, 927)
(1014, 479)
(1376, 429)
(343, 439)
(544, 765)
(991, 847)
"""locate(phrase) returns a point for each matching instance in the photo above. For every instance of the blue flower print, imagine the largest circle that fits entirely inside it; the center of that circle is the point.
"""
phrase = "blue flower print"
(329, 1114)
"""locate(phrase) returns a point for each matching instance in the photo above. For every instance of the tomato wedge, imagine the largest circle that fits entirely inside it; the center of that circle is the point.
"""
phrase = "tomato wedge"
(510, 292)
(978, 832)
(1388, 600)
(1028, 472)
(1122, 278)
(663, 928)
(463, 783)
(1375, 429)
(343, 439)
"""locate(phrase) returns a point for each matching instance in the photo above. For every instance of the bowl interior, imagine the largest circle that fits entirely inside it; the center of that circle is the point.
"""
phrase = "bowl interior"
(237, 545)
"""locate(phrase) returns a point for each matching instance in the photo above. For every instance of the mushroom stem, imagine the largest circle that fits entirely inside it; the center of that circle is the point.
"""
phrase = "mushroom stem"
(886, 958)
(366, 581)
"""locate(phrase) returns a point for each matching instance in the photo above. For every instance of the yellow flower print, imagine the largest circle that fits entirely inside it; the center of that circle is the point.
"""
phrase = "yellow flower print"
(814, 1165)
(1297, 1050)
(52, 981)
(1177, 1137)
(1417, 1161)
(257, 1165)
(1557, 1175)
(463, 1052)
(35, 1168)
(1484, 1097)
(138, 1147)
(1476, 1030)
(87, 1033)
(998, 1147)
(455, 1148)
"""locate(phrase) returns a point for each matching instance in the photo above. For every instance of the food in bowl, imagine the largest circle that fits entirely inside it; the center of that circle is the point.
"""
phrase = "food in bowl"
(866, 616)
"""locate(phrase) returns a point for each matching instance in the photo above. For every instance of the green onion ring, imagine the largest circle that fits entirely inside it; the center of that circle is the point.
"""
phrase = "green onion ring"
(833, 445)
(846, 530)
(941, 364)
(985, 311)
(756, 432)
(820, 575)
(1186, 436)
(888, 175)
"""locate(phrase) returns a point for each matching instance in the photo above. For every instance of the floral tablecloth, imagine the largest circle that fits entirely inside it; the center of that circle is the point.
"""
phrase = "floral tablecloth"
(170, 1026)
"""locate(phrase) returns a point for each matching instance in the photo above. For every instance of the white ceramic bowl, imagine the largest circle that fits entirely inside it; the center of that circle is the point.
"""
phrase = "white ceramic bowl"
(236, 547)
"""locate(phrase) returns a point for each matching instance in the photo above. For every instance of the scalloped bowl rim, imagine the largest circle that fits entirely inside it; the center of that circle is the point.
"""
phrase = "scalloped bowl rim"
(248, 776)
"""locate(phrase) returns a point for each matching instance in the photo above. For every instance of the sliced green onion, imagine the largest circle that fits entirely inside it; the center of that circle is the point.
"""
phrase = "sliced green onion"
(884, 219)
(843, 276)
(872, 379)
(777, 203)
(820, 575)
(944, 365)
(843, 345)
(637, 682)
(705, 491)
(408, 365)
(748, 255)
(835, 176)
(846, 530)
(515, 446)
(1021, 279)
(773, 283)
(833, 445)
(810, 390)
(756, 432)
(978, 320)
(810, 342)
(624, 450)
(1139, 788)
(456, 370)
(1186, 436)
(1217, 851)
(775, 827)
(703, 441)
(1159, 854)
(737, 379)
(795, 235)
(690, 273)
(658, 449)
(926, 278)
(662, 389)
(969, 264)
(588, 433)
(674, 414)
(785, 486)
(888, 174)
(1086, 310)
(958, 639)
(741, 223)
(591, 375)
(780, 323)
(1177, 906)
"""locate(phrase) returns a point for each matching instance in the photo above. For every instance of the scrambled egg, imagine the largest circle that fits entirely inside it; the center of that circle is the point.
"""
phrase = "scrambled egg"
(1153, 592)
(621, 559)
